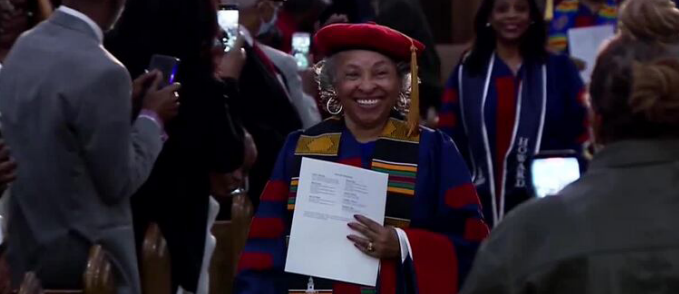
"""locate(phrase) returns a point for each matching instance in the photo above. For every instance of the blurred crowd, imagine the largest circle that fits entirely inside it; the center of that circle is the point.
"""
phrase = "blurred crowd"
(99, 143)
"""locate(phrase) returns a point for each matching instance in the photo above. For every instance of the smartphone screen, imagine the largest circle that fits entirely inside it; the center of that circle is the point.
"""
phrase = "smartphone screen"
(551, 174)
(227, 17)
(167, 65)
(301, 43)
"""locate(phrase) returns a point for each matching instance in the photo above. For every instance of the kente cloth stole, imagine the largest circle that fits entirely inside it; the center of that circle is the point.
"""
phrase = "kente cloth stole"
(396, 154)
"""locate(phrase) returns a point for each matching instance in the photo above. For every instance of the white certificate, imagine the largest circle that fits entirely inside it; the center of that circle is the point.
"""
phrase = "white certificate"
(585, 43)
(328, 197)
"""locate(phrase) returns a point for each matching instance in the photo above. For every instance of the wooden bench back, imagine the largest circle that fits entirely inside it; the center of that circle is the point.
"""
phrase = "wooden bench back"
(155, 265)
(231, 237)
(30, 285)
(98, 277)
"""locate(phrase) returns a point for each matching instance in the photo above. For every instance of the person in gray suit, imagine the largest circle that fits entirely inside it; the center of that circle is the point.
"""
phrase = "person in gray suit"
(66, 107)
(614, 230)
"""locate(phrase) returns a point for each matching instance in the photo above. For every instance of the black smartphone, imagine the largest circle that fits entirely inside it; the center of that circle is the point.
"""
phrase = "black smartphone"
(227, 18)
(551, 171)
(167, 65)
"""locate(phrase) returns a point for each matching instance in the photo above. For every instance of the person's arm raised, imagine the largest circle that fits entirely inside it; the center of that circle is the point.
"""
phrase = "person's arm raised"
(119, 156)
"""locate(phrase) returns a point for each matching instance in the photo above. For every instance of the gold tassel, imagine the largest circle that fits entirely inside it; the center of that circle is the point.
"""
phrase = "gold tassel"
(414, 112)
(549, 10)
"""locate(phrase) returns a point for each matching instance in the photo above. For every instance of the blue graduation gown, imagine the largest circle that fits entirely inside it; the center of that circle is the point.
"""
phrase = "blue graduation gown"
(430, 197)
(497, 134)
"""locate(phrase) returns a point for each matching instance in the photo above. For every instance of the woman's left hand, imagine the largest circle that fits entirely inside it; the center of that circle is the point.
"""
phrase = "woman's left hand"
(378, 241)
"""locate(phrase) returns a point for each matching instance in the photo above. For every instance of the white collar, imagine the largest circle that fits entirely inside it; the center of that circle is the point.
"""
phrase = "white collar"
(247, 36)
(77, 14)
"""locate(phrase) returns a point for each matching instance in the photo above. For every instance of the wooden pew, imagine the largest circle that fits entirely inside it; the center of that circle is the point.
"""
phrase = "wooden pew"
(231, 237)
(30, 285)
(155, 265)
(97, 278)
(450, 55)
(221, 267)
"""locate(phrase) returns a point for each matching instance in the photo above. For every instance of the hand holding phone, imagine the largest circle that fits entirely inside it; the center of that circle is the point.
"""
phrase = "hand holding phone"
(167, 66)
(162, 97)
(164, 101)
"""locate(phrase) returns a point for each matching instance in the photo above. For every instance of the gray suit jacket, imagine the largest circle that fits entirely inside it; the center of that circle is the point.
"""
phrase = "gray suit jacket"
(613, 231)
(66, 106)
(303, 103)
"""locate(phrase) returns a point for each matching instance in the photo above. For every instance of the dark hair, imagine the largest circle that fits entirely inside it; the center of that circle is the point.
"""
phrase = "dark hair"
(349, 8)
(533, 43)
(33, 12)
(302, 6)
(635, 84)
(185, 29)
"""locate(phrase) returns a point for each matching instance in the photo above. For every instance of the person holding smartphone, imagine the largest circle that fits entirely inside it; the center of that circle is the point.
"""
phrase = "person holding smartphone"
(264, 103)
(205, 148)
(509, 99)
(66, 106)
(614, 230)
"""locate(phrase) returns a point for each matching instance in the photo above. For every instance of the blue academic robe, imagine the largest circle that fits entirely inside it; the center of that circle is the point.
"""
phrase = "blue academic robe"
(499, 120)
(430, 196)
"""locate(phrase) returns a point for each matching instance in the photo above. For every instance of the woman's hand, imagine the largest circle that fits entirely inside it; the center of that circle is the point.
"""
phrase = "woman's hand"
(378, 241)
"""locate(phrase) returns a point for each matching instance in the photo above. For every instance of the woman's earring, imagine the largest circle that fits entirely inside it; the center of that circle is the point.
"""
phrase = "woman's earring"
(487, 24)
(333, 106)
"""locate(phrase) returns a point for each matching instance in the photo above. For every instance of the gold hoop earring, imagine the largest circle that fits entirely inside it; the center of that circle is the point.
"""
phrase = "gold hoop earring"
(333, 106)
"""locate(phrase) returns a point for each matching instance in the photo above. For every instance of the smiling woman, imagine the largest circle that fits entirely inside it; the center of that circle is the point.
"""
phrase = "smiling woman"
(510, 99)
(367, 87)
(433, 224)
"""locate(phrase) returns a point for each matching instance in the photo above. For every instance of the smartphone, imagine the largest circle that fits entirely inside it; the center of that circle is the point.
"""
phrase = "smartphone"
(227, 17)
(552, 171)
(301, 43)
(167, 65)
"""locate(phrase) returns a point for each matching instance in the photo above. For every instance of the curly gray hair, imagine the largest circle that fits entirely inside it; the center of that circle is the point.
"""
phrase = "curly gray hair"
(326, 76)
